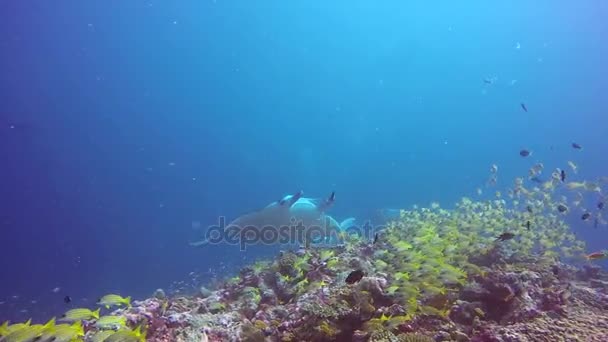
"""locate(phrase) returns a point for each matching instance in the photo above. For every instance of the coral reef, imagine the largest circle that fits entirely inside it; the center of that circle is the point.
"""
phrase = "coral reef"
(433, 275)
(492, 270)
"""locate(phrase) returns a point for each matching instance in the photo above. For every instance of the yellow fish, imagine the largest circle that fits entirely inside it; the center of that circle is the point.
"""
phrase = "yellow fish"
(113, 300)
(111, 322)
(62, 333)
(79, 315)
(29, 333)
(575, 185)
(126, 335)
(573, 166)
(6, 329)
(102, 335)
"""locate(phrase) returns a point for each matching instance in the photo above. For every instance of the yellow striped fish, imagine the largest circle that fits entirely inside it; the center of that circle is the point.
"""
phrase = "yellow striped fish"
(63, 333)
(111, 322)
(113, 300)
(6, 329)
(126, 335)
(79, 314)
(29, 332)
(101, 336)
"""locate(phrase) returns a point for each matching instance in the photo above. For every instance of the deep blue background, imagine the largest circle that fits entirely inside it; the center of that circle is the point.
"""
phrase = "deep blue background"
(382, 101)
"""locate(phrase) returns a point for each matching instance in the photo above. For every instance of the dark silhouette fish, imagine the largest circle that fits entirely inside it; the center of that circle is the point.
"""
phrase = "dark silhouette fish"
(600, 205)
(524, 153)
(523, 106)
(67, 299)
(562, 208)
(375, 238)
(355, 276)
(576, 146)
(505, 236)
(332, 198)
(562, 175)
(586, 216)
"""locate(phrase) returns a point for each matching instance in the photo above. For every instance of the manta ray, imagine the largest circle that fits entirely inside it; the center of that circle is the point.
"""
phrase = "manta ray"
(287, 211)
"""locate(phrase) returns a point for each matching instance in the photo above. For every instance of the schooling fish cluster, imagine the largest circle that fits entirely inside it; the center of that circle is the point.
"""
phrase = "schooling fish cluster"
(111, 328)
(486, 270)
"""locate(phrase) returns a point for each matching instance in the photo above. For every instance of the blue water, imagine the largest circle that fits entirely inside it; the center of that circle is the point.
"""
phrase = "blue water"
(123, 122)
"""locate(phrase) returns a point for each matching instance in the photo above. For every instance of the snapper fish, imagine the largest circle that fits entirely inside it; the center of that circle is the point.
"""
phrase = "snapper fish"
(536, 170)
(114, 300)
(30, 332)
(573, 166)
(62, 333)
(127, 335)
(102, 335)
(111, 322)
(6, 328)
(79, 314)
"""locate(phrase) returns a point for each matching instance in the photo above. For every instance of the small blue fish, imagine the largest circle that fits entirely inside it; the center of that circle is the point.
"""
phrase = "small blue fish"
(523, 106)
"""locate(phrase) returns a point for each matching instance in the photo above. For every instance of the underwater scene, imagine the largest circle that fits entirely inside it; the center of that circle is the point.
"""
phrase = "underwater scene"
(260, 171)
